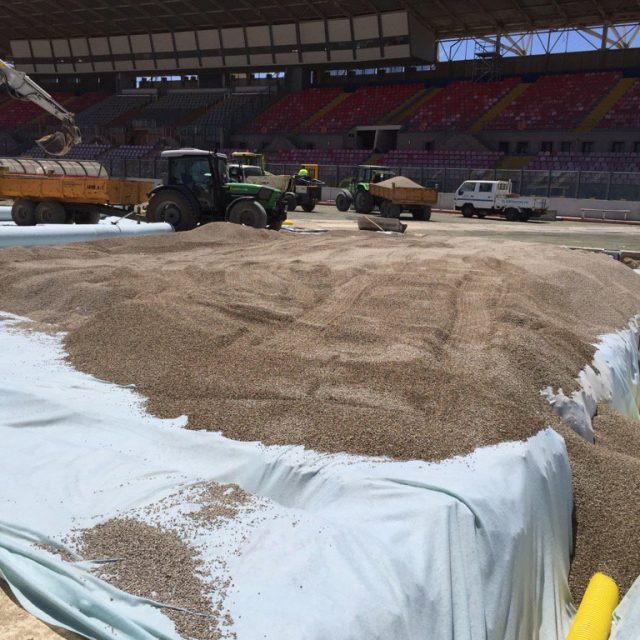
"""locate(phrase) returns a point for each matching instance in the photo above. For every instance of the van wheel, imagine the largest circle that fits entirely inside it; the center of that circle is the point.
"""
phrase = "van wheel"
(468, 210)
(512, 215)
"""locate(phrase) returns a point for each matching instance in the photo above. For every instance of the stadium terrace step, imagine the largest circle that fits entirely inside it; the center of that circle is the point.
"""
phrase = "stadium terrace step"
(339, 99)
(606, 104)
(498, 107)
(403, 111)
(514, 163)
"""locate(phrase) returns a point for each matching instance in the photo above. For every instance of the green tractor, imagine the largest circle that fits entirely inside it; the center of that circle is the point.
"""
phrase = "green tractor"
(197, 190)
(357, 192)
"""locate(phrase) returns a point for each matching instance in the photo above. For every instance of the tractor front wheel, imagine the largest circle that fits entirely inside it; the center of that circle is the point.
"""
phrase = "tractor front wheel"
(343, 202)
(172, 207)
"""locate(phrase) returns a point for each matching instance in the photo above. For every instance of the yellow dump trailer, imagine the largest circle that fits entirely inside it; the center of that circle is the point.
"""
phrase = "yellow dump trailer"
(397, 194)
(44, 194)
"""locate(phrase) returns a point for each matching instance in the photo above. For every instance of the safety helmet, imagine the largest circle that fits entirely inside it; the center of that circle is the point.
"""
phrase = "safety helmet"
(303, 172)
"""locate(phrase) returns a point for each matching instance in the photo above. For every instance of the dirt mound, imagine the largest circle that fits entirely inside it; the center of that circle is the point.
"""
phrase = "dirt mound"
(399, 181)
(411, 348)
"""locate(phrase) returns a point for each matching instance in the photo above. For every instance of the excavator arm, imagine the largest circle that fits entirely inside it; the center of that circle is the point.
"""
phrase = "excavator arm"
(21, 87)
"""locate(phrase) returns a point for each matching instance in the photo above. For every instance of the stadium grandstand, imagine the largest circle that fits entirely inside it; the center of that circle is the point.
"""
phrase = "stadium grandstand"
(546, 93)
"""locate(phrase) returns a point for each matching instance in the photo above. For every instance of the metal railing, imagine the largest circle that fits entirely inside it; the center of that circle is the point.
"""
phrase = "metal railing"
(601, 185)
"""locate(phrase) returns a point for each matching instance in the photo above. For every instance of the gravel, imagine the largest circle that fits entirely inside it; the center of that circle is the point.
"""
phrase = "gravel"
(413, 348)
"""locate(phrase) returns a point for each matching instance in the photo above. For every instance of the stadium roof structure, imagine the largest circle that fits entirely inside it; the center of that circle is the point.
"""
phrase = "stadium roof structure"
(27, 19)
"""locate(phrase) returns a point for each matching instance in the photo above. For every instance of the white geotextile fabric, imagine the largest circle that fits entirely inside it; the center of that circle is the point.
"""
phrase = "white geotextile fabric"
(613, 377)
(338, 547)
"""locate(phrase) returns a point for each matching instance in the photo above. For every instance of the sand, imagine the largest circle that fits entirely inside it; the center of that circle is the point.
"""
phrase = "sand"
(350, 341)
(17, 624)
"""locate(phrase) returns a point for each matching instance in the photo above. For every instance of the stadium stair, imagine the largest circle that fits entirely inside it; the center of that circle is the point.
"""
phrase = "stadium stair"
(397, 116)
(410, 106)
(374, 158)
(498, 107)
(194, 115)
(128, 116)
(341, 97)
(606, 104)
(514, 163)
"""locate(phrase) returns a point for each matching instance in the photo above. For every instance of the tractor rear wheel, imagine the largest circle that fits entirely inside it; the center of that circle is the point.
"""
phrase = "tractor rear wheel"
(248, 212)
(23, 212)
(363, 201)
(172, 207)
(50, 212)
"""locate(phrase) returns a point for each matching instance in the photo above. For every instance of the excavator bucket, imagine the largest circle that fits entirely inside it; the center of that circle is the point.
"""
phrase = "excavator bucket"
(60, 142)
(54, 144)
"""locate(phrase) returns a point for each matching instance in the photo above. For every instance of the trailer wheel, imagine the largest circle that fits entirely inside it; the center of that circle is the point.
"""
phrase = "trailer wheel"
(343, 202)
(468, 210)
(363, 201)
(51, 212)
(391, 210)
(512, 214)
(172, 207)
(309, 206)
(248, 212)
(86, 217)
(23, 212)
(424, 213)
(292, 202)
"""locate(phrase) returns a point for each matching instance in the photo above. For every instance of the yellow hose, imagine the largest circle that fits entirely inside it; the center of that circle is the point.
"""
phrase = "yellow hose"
(593, 620)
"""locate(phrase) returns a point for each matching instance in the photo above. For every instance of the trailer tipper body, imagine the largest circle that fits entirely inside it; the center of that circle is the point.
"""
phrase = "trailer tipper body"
(56, 192)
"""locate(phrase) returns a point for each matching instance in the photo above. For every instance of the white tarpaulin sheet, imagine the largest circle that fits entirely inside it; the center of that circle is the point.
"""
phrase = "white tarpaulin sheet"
(473, 548)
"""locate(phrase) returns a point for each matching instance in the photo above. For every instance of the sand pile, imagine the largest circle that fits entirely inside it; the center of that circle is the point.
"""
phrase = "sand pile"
(405, 347)
(399, 181)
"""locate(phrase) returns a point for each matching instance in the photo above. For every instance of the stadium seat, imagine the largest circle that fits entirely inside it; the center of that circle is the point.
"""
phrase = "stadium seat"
(292, 110)
(556, 102)
(365, 106)
(625, 114)
(459, 105)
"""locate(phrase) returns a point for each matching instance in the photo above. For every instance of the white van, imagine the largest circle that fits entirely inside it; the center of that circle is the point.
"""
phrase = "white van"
(484, 197)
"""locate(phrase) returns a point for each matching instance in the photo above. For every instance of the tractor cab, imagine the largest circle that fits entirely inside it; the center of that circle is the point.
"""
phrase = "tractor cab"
(197, 189)
(203, 174)
(366, 173)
